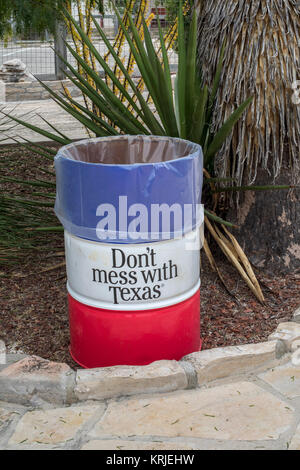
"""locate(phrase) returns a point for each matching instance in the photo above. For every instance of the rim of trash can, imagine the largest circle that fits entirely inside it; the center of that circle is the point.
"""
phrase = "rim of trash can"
(196, 149)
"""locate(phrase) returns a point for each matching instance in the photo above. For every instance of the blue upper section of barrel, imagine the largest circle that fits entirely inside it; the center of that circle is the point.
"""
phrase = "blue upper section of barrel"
(123, 189)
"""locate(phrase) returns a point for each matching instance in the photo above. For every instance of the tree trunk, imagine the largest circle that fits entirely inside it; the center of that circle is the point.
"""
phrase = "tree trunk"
(269, 225)
(261, 60)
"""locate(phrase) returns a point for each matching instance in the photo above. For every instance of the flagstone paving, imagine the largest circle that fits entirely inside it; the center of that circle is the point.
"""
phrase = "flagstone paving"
(295, 443)
(33, 112)
(246, 412)
(285, 379)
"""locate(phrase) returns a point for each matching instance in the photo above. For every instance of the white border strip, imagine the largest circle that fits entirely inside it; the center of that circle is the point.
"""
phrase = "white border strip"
(133, 307)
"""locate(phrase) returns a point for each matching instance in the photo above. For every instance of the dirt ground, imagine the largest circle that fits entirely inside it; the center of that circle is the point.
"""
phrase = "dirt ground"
(34, 314)
(33, 298)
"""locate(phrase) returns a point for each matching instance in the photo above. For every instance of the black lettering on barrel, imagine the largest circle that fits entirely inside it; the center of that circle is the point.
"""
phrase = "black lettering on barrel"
(118, 259)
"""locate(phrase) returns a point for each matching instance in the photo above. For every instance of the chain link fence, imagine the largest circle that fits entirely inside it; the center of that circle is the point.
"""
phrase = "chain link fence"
(39, 56)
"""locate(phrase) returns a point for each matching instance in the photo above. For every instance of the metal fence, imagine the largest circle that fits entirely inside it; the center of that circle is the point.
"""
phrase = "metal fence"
(38, 56)
(41, 60)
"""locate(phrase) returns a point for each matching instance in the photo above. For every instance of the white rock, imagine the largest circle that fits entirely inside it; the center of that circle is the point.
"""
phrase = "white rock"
(285, 379)
(295, 443)
(288, 333)
(33, 380)
(118, 444)
(213, 364)
(53, 426)
(2, 352)
(296, 317)
(14, 64)
(107, 382)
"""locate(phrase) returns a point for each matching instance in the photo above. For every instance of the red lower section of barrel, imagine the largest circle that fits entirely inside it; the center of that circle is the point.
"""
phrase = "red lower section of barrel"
(102, 338)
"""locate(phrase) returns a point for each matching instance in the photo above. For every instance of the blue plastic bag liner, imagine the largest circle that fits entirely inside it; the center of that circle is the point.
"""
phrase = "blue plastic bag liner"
(129, 189)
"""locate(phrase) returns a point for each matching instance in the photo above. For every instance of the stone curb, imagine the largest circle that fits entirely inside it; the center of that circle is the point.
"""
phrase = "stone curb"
(37, 381)
(219, 363)
(34, 91)
(111, 382)
(296, 316)
(288, 333)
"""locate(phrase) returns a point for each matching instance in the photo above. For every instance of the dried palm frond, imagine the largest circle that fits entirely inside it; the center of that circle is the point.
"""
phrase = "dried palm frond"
(230, 247)
(236, 256)
(262, 59)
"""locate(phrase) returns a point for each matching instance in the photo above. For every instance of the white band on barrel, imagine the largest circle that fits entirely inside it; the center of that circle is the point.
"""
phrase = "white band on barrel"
(132, 276)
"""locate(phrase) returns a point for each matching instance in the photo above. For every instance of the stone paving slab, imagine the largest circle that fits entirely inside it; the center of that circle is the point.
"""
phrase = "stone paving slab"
(54, 426)
(296, 316)
(248, 398)
(10, 414)
(295, 443)
(6, 417)
(238, 415)
(108, 382)
(285, 379)
(32, 112)
(119, 444)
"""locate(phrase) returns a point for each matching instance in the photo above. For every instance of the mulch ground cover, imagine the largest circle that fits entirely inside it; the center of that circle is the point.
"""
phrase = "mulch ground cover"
(33, 300)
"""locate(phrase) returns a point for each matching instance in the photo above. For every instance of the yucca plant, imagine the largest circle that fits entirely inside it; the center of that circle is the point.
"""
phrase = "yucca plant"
(24, 218)
(186, 113)
(184, 110)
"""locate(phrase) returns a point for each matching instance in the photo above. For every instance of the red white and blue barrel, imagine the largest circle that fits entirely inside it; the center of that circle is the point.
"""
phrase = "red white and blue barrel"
(131, 210)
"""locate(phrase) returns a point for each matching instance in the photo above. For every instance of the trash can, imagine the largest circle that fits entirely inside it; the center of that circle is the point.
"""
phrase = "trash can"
(131, 210)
